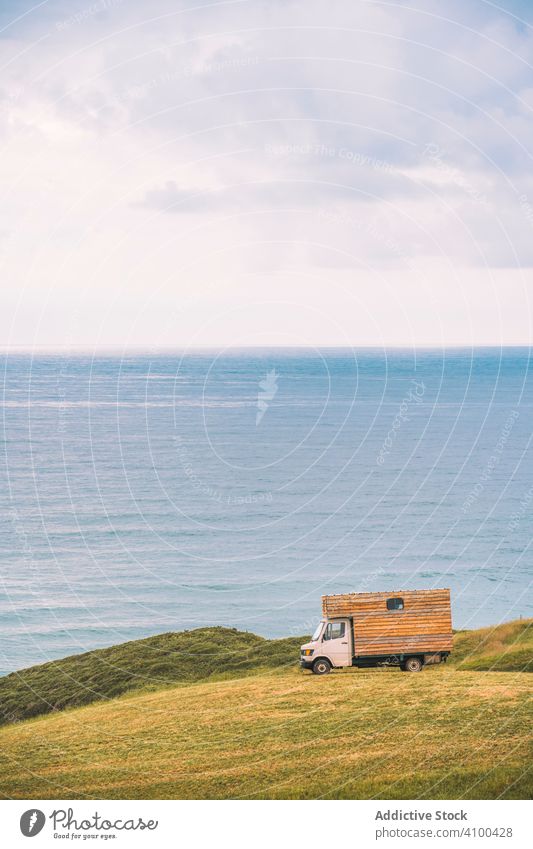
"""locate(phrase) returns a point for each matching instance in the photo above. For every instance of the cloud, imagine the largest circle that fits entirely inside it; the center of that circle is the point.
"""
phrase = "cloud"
(260, 137)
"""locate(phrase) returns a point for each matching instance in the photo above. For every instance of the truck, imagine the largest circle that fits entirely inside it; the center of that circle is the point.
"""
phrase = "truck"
(409, 629)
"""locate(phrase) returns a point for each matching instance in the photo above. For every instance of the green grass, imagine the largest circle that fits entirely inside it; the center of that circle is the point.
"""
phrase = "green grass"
(150, 664)
(217, 713)
(208, 653)
(286, 734)
(507, 647)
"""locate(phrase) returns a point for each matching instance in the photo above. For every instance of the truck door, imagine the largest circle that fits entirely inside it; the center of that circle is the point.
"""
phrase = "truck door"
(336, 643)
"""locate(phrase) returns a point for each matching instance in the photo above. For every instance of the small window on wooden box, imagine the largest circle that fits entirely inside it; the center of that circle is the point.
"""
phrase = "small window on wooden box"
(395, 604)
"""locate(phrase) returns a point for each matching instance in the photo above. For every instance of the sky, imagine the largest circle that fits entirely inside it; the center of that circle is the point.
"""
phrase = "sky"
(266, 172)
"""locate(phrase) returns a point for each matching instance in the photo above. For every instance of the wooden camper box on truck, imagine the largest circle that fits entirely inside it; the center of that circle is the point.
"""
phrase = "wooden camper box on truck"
(396, 623)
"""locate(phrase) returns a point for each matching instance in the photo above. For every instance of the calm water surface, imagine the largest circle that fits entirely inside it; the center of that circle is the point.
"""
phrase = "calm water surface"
(148, 493)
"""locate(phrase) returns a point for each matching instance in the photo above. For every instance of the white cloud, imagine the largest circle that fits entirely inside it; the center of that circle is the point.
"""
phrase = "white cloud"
(154, 153)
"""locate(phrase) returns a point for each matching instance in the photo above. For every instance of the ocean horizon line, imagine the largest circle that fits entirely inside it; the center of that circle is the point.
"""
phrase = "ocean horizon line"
(154, 349)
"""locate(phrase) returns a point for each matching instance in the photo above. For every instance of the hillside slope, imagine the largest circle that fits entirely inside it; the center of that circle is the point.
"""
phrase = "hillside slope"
(286, 734)
(207, 653)
(507, 647)
(148, 664)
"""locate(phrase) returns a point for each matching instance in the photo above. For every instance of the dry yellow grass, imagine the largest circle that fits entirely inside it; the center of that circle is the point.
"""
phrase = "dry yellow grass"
(359, 734)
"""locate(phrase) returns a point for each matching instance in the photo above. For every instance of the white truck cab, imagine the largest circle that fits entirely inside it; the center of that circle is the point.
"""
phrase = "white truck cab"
(330, 646)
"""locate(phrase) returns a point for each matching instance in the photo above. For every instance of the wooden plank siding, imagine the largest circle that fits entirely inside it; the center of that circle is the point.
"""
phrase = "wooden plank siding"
(424, 624)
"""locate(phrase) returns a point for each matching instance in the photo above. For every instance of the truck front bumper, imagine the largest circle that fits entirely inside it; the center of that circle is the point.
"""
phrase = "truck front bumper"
(306, 663)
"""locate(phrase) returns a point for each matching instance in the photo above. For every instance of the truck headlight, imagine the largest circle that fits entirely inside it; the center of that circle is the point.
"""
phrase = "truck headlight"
(307, 652)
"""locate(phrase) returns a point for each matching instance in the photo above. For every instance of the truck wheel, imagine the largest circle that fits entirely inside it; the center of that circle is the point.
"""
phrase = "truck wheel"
(413, 664)
(321, 666)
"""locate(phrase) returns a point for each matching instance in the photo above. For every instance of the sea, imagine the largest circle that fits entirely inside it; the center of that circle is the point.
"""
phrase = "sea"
(154, 491)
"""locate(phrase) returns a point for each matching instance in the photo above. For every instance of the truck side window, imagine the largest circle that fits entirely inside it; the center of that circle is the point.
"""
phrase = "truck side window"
(395, 604)
(334, 631)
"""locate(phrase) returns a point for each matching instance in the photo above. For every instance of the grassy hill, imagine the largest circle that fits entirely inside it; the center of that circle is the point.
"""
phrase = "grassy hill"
(286, 734)
(207, 653)
(217, 713)
(150, 664)
(507, 647)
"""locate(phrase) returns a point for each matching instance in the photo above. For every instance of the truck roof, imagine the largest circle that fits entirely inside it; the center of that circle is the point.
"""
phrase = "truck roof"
(388, 592)
(343, 604)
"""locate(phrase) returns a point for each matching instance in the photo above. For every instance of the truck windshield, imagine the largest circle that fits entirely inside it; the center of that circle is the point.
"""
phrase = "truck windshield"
(318, 631)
